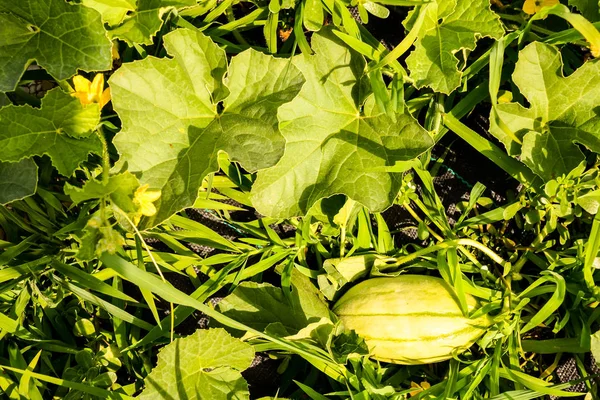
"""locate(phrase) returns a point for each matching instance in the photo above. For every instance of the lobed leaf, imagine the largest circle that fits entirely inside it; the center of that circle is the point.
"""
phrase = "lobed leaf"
(449, 27)
(61, 37)
(563, 112)
(172, 128)
(204, 365)
(336, 143)
(61, 128)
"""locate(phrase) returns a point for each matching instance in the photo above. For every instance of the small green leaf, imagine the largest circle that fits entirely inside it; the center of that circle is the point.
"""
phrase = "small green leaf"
(84, 327)
(422, 232)
(590, 202)
(141, 24)
(61, 37)
(260, 304)
(105, 379)
(204, 365)
(120, 188)
(376, 9)
(313, 15)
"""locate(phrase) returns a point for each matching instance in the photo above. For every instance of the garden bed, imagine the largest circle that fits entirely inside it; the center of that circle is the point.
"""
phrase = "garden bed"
(321, 199)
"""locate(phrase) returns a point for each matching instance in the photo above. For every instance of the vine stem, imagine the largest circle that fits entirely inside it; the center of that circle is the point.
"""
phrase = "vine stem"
(449, 244)
(105, 155)
(105, 169)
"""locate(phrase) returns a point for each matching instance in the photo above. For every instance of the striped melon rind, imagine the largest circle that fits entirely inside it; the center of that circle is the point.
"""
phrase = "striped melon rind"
(410, 319)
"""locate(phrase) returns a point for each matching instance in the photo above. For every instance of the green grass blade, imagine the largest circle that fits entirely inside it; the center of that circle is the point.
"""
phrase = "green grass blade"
(551, 305)
(87, 280)
(94, 391)
(108, 307)
(514, 168)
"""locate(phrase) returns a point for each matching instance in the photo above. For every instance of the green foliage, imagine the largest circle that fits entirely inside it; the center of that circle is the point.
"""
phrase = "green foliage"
(142, 21)
(337, 141)
(241, 175)
(59, 36)
(169, 109)
(588, 8)
(563, 112)
(62, 129)
(260, 304)
(17, 180)
(212, 371)
(449, 28)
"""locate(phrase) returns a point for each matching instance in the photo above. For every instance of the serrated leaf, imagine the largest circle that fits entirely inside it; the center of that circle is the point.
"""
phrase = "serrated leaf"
(334, 142)
(260, 304)
(61, 37)
(60, 129)
(590, 9)
(17, 180)
(449, 27)
(143, 23)
(172, 131)
(563, 111)
(204, 365)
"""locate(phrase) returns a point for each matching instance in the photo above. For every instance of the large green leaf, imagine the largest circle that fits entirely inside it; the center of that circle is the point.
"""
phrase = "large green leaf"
(449, 27)
(139, 23)
(60, 129)
(61, 37)
(563, 111)
(172, 129)
(17, 180)
(334, 142)
(261, 304)
(204, 365)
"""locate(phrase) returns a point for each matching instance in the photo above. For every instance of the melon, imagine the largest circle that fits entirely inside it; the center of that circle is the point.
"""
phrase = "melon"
(410, 319)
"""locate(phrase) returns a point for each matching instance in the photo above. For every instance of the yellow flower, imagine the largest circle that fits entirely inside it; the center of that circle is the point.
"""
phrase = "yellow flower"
(532, 6)
(91, 92)
(143, 199)
(418, 388)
